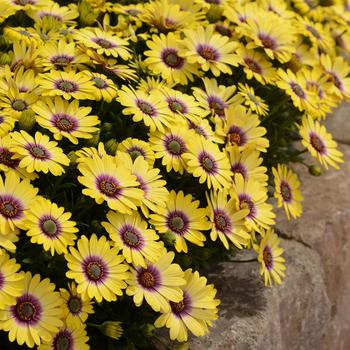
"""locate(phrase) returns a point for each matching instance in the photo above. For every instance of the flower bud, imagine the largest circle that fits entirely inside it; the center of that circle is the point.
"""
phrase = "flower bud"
(149, 330)
(5, 59)
(315, 170)
(94, 139)
(107, 127)
(72, 157)
(214, 14)
(169, 239)
(27, 120)
(183, 346)
(111, 329)
(87, 14)
(111, 146)
(3, 41)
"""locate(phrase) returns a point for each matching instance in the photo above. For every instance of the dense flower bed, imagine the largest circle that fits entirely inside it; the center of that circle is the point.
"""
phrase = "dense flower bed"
(141, 142)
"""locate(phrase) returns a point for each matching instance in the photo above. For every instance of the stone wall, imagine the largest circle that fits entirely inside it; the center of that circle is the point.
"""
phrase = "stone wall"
(311, 310)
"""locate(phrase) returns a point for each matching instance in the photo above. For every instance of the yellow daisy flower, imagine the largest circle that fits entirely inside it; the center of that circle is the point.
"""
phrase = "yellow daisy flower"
(287, 191)
(183, 219)
(38, 153)
(7, 123)
(270, 257)
(49, 225)
(36, 316)
(131, 234)
(11, 280)
(75, 309)
(66, 119)
(104, 180)
(319, 142)
(227, 222)
(97, 269)
(105, 89)
(204, 130)
(253, 102)
(212, 51)
(205, 160)
(166, 57)
(158, 283)
(67, 84)
(8, 241)
(195, 312)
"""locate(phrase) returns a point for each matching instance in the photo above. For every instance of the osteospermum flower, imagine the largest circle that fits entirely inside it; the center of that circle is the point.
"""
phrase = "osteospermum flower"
(16, 196)
(319, 142)
(97, 269)
(253, 102)
(210, 50)
(269, 256)
(131, 234)
(183, 219)
(36, 315)
(195, 312)
(287, 190)
(106, 181)
(67, 84)
(205, 160)
(75, 309)
(226, 221)
(11, 280)
(38, 153)
(167, 58)
(49, 225)
(66, 119)
(105, 89)
(158, 283)
(72, 338)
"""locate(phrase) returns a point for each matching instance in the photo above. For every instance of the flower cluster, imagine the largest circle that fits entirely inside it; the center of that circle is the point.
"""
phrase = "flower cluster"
(142, 141)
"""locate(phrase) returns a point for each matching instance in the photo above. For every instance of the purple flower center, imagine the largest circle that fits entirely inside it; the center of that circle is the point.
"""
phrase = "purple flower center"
(27, 309)
(131, 237)
(52, 15)
(146, 108)
(38, 151)
(10, 207)
(222, 221)
(268, 258)
(61, 60)
(314, 32)
(108, 185)
(207, 162)
(175, 145)
(336, 81)
(177, 222)
(177, 106)
(217, 2)
(239, 168)
(236, 136)
(149, 278)
(63, 340)
(5, 158)
(198, 129)
(64, 122)
(95, 269)
(208, 52)
(286, 191)
(23, 2)
(297, 89)
(317, 143)
(104, 43)
(245, 202)
(135, 151)
(217, 105)
(100, 83)
(267, 41)
(19, 105)
(2, 280)
(253, 65)
(182, 307)
(50, 226)
(172, 59)
(66, 85)
(74, 305)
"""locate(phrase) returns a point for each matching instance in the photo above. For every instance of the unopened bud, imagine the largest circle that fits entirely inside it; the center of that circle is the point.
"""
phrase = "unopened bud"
(112, 329)
(27, 120)
(5, 59)
(169, 239)
(149, 330)
(214, 14)
(107, 127)
(315, 170)
(3, 41)
(111, 146)
(94, 139)
(87, 14)
(72, 157)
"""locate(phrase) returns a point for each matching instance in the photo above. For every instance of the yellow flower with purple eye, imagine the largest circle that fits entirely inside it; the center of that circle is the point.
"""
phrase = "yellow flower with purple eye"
(16, 196)
(151, 109)
(27, 320)
(75, 309)
(66, 119)
(11, 280)
(166, 57)
(255, 103)
(38, 153)
(68, 337)
(319, 142)
(212, 51)
(104, 180)
(183, 219)
(131, 234)
(158, 283)
(205, 160)
(204, 129)
(226, 220)
(97, 269)
(195, 312)
(105, 89)
(49, 225)
(67, 84)
(270, 257)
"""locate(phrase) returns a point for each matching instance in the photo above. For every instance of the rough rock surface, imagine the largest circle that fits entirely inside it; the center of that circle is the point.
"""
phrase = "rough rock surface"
(311, 310)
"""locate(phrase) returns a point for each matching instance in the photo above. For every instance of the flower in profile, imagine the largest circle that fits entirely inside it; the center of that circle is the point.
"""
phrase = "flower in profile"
(319, 142)
(104, 180)
(66, 119)
(158, 283)
(182, 218)
(49, 225)
(16, 196)
(270, 257)
(253, 102)
(205, 160)
(287, 191)
(67, 84)
(75, 309)
(38, 153)
(166, 57)
(97, 269)
(226, 220)
(212, 51)
(195, 312)
(11, 280)
(68, 337)
(131, 234)
(36, 315)
(111, 329)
